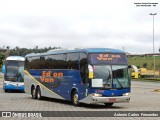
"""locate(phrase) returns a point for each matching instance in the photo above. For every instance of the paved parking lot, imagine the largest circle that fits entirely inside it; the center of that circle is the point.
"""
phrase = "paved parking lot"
(143, 98)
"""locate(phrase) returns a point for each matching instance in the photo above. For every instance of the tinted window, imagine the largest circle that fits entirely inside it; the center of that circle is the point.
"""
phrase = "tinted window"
(41, 63)
(53, 61)
(83, 66)
(64, 63)
(72, 59)
(11, 71)
(33, 62)
(61, 61)
(21, 63)
(48, 62)
(57, 61)
(11, 63)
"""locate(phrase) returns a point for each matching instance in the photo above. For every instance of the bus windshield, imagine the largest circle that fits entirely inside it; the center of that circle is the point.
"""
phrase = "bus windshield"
(112, 69)
(11, 63)
(14, 71)
(113, 76)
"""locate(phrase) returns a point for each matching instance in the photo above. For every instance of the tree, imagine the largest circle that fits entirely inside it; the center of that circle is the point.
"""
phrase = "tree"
(1, 59)
(145, 65)
(8, 47)
(17, 48)
(7, 52)
(17, 51)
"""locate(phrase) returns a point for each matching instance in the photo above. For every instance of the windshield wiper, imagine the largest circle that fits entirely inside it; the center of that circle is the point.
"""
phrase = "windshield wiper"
(118, 82)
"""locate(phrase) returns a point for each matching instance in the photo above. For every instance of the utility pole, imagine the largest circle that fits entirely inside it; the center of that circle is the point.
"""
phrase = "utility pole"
(153, 44)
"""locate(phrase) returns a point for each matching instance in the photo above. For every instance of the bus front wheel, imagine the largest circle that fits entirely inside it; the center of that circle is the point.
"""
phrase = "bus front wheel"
(5, 90)
(75, 98)
(33, 93)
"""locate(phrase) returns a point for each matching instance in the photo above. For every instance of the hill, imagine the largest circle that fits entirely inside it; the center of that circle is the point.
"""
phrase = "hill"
(144, 61)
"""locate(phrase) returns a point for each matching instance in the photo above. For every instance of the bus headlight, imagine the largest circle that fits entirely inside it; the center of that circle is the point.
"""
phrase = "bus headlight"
(97, 95)
(126, 94)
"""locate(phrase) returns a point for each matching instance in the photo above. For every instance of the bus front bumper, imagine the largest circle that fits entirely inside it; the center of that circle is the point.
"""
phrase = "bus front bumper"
(13, 87)
(90, 99)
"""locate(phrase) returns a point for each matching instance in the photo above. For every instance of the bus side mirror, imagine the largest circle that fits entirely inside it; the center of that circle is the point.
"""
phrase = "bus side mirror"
(90, 74)
(3, 69)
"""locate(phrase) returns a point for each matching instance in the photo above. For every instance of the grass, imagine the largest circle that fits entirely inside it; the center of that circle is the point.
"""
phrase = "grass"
(147, 80)
(140, 61)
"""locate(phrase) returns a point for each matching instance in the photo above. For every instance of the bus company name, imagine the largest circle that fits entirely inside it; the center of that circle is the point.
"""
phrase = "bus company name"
(46, 76)
(107, 57)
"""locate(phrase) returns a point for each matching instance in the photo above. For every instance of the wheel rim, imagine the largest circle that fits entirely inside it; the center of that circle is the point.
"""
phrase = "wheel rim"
(75, 99)
(38, 95)
(34, 93)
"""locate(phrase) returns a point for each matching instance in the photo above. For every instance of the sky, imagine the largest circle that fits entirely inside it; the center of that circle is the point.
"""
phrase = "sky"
(118, 24)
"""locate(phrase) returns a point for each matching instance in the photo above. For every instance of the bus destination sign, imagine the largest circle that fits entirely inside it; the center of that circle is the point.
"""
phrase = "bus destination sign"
(108, 57)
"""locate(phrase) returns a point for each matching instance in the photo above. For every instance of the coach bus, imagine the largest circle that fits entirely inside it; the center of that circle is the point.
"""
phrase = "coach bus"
(95, 75)
(13, 73)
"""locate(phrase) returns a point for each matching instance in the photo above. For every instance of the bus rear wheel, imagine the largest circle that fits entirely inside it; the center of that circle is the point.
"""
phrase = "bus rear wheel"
(108, 104)
(33, 93)
(38, 94)
(75, 98)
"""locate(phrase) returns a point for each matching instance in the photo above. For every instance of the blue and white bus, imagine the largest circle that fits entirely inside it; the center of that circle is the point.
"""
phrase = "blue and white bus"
(13, 73)
(95, 75)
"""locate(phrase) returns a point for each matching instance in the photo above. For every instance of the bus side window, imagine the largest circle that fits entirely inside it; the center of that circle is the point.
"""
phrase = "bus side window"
(26, 64)
(53, 61)
(64, 62)
(42, 62)
(73, 60)
(56, 61)
(50, 62)
(83, 67)
(33, 62)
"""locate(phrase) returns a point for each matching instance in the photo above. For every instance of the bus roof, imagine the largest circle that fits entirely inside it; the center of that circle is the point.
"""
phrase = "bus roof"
(86, 50)
(17, 58)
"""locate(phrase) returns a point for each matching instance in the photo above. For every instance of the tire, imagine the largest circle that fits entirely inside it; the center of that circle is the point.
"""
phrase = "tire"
(38, 93)
(33, 93)
(5, 90)
(75, 98)
(108, 104)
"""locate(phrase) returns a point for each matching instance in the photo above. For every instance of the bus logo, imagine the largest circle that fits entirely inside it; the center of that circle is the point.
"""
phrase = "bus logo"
(6, 114)
(47, 77)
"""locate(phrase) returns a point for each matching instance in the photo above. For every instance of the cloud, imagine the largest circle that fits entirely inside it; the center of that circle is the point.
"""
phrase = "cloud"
(79, 23)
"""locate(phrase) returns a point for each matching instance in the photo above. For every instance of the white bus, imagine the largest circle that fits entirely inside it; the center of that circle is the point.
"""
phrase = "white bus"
(13, 73)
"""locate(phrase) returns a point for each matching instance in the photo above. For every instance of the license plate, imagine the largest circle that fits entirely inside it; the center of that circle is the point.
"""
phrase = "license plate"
(112, 99)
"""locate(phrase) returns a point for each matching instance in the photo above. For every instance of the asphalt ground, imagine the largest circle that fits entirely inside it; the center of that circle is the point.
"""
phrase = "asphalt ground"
(145, 96)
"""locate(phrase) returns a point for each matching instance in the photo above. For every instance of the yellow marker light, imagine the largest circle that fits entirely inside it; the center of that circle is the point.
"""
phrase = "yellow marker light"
(90, 68)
